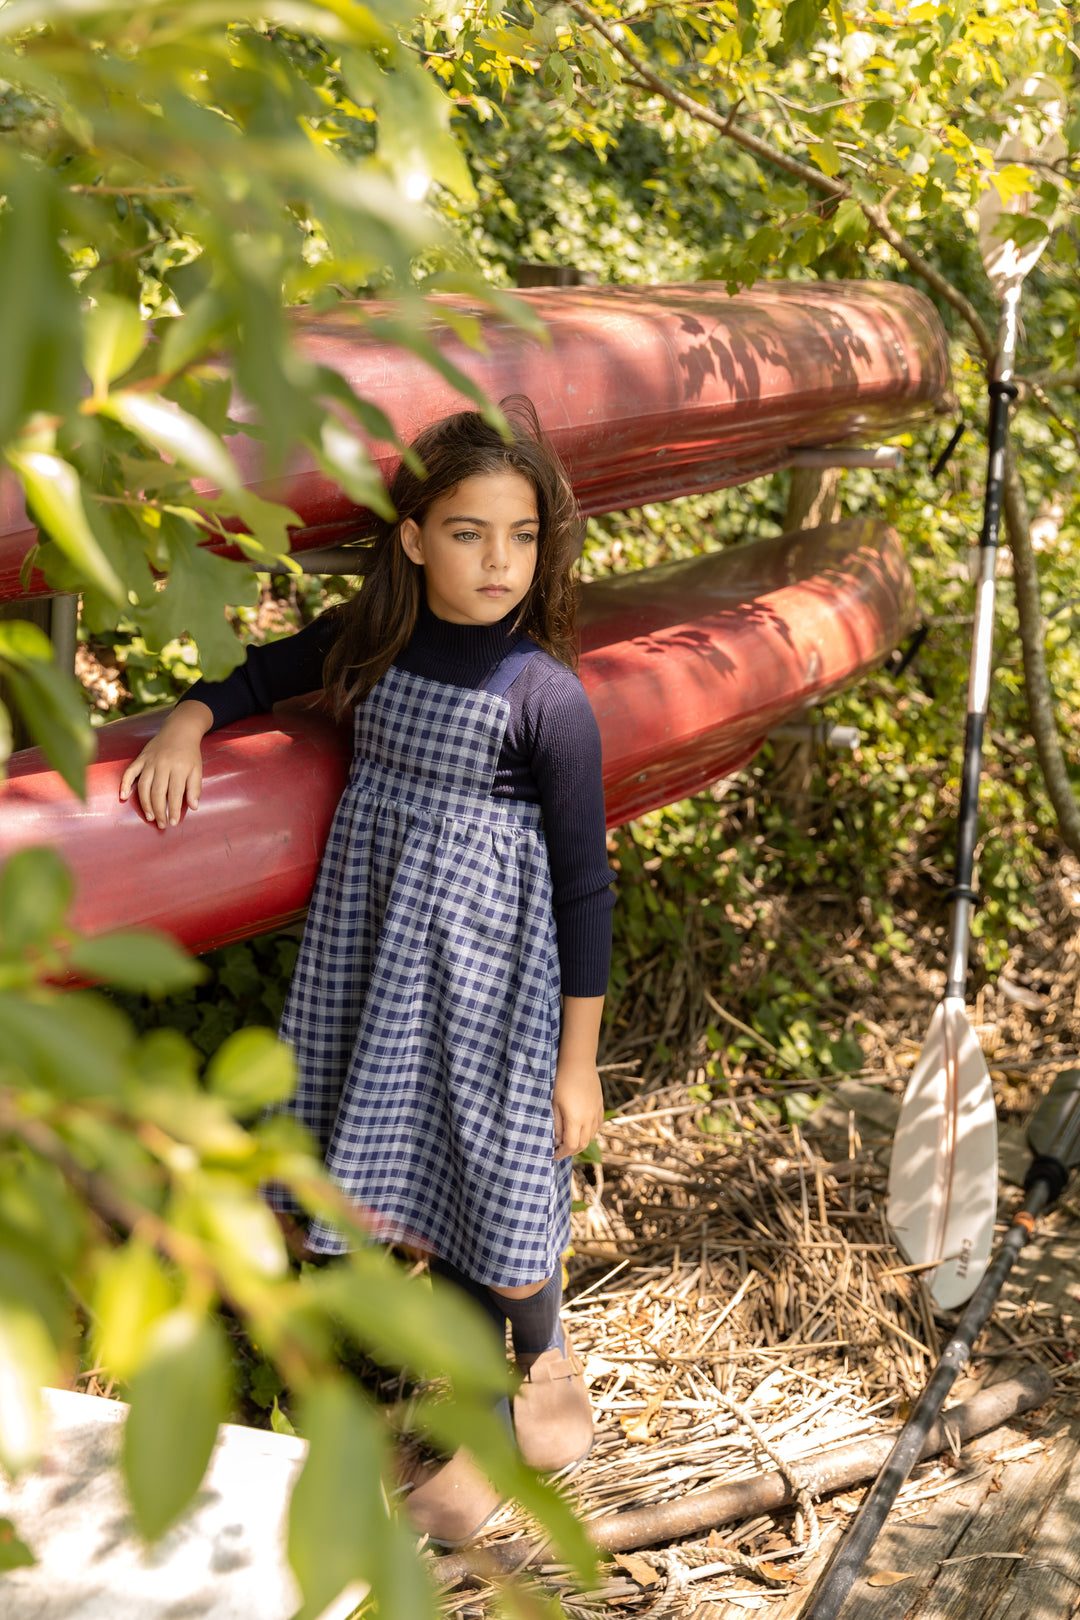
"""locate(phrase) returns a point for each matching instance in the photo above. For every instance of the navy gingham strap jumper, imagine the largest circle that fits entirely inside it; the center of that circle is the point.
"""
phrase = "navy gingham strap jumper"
(424, 1009)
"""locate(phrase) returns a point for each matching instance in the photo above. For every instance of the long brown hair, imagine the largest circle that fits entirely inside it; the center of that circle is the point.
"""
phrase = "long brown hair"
(379, 620)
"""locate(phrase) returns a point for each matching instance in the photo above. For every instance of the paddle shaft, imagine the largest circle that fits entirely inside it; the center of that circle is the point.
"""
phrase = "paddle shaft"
(851, 1554)
(1002, 391)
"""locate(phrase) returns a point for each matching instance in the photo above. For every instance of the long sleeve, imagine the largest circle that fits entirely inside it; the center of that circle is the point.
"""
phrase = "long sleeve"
(269, 674)
(566, 765)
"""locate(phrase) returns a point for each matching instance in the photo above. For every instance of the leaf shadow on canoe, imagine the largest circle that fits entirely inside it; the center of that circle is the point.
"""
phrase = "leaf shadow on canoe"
(742, 359)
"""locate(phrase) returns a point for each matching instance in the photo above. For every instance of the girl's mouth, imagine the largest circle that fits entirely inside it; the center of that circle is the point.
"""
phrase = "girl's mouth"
(494, 590)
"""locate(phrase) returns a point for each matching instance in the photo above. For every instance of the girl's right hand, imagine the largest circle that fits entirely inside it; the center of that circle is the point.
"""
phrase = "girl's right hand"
(169, 769)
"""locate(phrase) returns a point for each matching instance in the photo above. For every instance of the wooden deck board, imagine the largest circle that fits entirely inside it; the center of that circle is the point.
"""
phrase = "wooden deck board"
(1029, 1505)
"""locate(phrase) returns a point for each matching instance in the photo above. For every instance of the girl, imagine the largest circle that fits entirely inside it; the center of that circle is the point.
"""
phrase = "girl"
(464, 886)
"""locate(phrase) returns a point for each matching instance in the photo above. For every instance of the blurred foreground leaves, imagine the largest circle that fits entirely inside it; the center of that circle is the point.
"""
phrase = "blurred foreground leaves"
(131, 1214)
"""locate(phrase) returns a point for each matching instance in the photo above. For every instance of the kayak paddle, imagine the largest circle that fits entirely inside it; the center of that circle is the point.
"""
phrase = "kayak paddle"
(943, 1175)
(1054, 1139)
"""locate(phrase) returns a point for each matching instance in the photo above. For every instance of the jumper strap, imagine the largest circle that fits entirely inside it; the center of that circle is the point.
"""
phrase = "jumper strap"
(514, 664)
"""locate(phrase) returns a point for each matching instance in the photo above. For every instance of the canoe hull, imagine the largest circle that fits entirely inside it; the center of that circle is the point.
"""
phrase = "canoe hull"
(687, 667)
(648, 393)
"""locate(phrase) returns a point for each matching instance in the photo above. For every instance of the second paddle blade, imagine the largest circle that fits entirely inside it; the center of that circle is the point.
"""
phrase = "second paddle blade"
(943, 1176)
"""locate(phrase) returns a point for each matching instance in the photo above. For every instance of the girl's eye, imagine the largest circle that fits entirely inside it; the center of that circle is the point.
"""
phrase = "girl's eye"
(526, 537)
(466, 534)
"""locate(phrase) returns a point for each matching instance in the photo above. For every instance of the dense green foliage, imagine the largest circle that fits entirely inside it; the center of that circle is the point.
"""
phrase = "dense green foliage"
(172, 179)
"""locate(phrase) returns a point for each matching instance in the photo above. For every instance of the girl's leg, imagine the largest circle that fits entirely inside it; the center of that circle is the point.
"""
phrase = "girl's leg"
(492, 1308)
(484, 1297)
(452, 1504)
(552, 1416)
(533, 1314)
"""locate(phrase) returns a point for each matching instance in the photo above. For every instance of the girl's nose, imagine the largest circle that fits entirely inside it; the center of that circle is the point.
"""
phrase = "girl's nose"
(498, 554)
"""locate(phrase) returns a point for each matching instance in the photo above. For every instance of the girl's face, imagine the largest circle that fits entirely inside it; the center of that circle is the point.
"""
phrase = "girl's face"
(477, 547)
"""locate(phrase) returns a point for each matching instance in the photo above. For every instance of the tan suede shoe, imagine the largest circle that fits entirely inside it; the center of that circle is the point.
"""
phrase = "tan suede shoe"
(552, 1416)
(454, 1503)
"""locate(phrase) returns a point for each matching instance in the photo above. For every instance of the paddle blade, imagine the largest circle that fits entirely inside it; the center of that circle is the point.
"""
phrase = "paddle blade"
(943, 1177)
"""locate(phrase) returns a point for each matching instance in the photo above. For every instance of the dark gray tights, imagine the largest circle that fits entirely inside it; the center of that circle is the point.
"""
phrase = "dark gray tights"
(534, 1322)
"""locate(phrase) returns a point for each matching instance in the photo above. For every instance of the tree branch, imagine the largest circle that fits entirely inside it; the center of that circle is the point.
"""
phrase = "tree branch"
(1050, 379)
(111, 1207)
(1040, 698)
(764, 150)
(133, 191)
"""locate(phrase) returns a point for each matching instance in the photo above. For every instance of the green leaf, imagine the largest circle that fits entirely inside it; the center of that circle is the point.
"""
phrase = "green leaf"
(50, 702)
(764, 244)
(35, 892)
(179, 1396)
(278, 1421)
(339, 1529)
(478, 1427)
(28, 1362)
(265, 1385)
(877, 116)
(164, 1057)
(137, 960)
(245, 1234)
(346, 460)
(797, 1106)
(114, 334)
(39, 308)
(203, 326)
(131, 1294)
(849, 222)
(826, 157)
(252, 1070)
(198, 1119)
(435, 1332)
(193, 602)
(175, 434)
(268, 522)
(14, 1554)
(590, 1154)
(40, 1217)
(1023, 229)
(800, 20)
(54, 498)
(76, 1045)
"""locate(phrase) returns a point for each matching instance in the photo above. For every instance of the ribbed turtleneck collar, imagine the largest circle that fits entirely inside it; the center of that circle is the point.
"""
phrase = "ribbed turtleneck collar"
(468, 646)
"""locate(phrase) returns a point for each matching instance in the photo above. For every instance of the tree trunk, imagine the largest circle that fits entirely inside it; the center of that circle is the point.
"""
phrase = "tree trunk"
(1040, 698)
(813, 498)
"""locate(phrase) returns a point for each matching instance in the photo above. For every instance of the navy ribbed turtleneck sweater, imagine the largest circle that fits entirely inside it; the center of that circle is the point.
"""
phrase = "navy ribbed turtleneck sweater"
(550, 756)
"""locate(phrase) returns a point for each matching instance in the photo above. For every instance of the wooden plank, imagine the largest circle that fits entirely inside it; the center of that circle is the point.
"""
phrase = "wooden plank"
(917, 1546)
(1036, 1512)
(987, 1584)
(1046, 1586)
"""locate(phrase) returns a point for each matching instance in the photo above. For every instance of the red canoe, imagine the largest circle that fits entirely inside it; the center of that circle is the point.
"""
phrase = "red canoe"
(648, 393)
(687, 666)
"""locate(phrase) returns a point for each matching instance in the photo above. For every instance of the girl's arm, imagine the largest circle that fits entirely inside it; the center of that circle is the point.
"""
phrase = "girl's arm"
(578, 1103)
(170, 765)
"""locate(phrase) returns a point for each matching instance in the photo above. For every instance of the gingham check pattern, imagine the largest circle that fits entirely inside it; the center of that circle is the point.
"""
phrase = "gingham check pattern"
(424, 1009)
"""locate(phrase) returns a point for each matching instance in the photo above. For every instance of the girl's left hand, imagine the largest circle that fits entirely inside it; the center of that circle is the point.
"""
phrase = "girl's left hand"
(578, 1106)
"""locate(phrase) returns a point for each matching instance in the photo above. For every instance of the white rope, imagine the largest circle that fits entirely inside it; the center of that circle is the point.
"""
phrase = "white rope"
(677, 1563)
